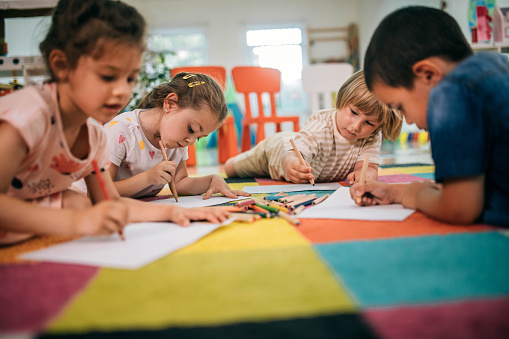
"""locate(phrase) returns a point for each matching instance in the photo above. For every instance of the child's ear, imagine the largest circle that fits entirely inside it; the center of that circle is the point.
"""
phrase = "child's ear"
(170, 101)
(428, 71)
(59, 64)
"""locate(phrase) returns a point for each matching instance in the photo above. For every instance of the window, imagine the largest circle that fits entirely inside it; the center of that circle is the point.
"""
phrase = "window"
(281, 48)
(165, 50)
(181, 47)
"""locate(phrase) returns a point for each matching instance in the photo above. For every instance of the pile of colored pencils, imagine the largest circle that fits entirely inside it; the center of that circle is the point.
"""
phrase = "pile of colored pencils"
(280, 205)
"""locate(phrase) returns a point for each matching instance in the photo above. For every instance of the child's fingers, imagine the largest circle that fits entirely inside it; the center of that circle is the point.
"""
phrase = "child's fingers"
(228, 193)
(241, 193)
(208, 194)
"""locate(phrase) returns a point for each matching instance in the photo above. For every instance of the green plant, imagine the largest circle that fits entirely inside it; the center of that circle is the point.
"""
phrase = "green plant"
(154, 71)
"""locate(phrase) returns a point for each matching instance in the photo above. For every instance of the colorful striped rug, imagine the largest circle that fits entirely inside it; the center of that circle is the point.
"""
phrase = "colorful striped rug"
(323, 279)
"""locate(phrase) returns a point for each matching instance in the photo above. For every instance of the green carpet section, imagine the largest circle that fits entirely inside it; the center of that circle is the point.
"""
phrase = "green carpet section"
(203, 289)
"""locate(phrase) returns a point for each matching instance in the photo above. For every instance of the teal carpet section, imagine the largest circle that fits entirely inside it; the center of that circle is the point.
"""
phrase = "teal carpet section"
(422, 270)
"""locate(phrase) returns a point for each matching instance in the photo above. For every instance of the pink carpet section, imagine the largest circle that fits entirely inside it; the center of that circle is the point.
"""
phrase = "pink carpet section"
(397, 178)
(31, 294)
(472, 319)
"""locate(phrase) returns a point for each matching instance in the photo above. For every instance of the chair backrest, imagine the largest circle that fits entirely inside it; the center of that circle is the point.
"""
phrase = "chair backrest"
(259, 80)
(218, 73)
(325, 79)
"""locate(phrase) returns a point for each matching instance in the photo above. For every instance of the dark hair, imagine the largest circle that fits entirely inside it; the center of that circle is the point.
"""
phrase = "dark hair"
(407, 36)
(81, 27)
(194, 90)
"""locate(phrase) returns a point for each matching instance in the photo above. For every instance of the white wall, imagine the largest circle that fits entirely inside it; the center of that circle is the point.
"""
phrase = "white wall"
(225, 21)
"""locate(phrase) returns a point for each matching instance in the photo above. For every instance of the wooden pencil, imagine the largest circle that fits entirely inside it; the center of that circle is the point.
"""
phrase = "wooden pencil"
(298, 209)
(171, 184)
(104, 189)
(289, 218)
(362, 181)
(301, 159)
(320, 199)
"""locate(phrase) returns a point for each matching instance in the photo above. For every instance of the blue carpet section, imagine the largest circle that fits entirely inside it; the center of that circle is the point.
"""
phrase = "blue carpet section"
(422, 270)
(425, 175)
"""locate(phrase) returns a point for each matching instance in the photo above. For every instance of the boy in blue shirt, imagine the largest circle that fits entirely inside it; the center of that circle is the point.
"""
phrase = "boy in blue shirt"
(419, 62)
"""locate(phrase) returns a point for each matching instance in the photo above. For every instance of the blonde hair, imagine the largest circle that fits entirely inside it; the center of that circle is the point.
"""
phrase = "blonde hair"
(355, 92)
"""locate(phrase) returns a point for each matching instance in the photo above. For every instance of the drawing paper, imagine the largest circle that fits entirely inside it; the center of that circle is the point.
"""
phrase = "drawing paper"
(145, 242)
(341, 206)
(328, 186)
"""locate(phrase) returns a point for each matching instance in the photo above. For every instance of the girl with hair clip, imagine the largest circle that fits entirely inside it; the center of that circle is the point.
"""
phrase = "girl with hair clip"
(177, 113)
(51, 137)
(333, 142)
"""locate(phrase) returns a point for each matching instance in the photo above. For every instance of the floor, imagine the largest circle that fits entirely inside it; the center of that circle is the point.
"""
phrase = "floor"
(391, 153)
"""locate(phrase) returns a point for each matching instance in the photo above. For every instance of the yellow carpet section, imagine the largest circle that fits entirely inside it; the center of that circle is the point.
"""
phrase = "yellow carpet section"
(415, 169)
(264, 233)
(208, 289)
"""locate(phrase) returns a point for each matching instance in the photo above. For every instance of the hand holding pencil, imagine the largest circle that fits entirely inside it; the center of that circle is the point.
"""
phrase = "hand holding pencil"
(171, 184)
(104, 189)
(302, 161)
(362, 180)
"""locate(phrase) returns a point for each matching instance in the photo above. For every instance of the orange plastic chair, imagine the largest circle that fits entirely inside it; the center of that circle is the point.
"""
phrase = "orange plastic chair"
(259, 80)
(226, 138)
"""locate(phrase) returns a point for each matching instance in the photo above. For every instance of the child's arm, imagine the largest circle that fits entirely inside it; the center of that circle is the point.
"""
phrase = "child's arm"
(294, 171)
(209, 184)
(457, 201)
(160, 174)
(355, 175)
(140, 211)
(24, 217)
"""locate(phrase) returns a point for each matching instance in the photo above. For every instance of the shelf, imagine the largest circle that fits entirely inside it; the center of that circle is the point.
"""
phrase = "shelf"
(500, 47)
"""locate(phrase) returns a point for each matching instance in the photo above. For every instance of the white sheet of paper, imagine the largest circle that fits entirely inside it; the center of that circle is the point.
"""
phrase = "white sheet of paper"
(145, 242)
(197, 201)
(341, 206)
(328, 186)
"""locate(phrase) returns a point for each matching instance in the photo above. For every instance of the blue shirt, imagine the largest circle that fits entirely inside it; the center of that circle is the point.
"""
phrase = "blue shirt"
(468, 121)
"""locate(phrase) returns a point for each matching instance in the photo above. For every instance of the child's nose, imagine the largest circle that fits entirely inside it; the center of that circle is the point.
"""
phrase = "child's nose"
(122, 89)
(357, 125)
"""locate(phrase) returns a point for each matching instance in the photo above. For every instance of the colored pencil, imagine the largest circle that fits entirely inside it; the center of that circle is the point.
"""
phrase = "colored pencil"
(245, 202)
(298, 210)
(320, 199)
(362, 181)
(268, 208)
(289, 218)
(173, 188)
(281, 208)
(104, 189)
(260, 210)
(244, 217)
(301, 159)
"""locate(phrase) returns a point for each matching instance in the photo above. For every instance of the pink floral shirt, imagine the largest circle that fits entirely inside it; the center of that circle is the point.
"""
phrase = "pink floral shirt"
(49, 166)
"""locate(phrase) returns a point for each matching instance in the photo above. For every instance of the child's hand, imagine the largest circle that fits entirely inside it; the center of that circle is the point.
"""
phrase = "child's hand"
(162, 173)
(104, 218)
(218, 185)
(371, 193)
(182, 216)
(353, 177)
(298, 173)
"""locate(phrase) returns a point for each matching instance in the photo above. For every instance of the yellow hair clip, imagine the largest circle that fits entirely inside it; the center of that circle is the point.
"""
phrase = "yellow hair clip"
(188, 76)
(196, 83)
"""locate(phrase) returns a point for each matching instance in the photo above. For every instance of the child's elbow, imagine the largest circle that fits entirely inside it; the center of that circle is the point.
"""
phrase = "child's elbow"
(464, 216)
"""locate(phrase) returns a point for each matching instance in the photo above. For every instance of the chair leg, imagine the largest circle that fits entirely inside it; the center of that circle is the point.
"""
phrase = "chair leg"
(191, 161)
(227, 141)
(260, 132)
(246, 138)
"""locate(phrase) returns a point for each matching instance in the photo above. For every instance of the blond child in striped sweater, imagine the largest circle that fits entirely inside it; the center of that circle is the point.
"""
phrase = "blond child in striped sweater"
(333, 142)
